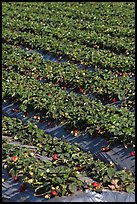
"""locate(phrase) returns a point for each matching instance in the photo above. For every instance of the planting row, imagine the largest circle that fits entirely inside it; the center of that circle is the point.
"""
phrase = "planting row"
(76, 25)
(94, 40)
(103, 84)
(79, 112)
(99, 59)
(65, 162)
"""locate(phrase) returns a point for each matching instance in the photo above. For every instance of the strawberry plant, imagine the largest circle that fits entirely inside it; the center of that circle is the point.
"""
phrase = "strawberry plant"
(61, 172)
(98, 36)
(63, 106)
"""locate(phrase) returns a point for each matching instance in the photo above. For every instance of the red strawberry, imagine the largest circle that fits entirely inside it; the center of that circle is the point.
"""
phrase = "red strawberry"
(26, 114)
(16, 178)
(98, 130)
(96, 184)
(14, 158)
(49, 94)
(9, 174)
(49, 123)
(55, 157)
(114, 100)
(103, 149)
(75, 132)
(132, 153)
(107, 149)
(54, 193)
(80, 89)
(39, 78)
(16, 110)
(124, 105)
(22, 187)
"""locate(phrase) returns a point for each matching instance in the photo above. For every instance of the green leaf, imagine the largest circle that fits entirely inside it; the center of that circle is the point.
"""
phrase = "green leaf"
(12, 172)
(110, 172)
(73, 179)
(72, 188)
(130, 189)
(42, 189)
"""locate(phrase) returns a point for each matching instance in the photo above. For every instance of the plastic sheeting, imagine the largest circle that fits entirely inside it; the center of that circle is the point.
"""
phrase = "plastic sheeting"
(10, 189)
(53, 58)
(89, 196)
(50, 57)
(10, 193)
(118, 154)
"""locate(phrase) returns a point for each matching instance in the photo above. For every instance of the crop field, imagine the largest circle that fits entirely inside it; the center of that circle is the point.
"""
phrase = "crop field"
(68, 67)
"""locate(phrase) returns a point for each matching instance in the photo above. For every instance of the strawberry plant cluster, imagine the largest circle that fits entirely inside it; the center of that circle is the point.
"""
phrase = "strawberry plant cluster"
(65, 162)
(78, 111)
(88, 90)
(103, 84)
(82, 33)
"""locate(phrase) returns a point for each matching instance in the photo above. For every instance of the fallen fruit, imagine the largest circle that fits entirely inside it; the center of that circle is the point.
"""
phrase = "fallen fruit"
(132, 153)
(49, 123)
(15, 110)
(75, 132)
(26, 114)
(16, 178)
(22, 187)
(107, 149)
(103, 149)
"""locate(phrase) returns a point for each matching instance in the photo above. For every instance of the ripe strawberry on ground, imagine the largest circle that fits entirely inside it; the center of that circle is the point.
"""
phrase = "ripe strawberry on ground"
(132, 153)
(22, 187)
(16, 110)
(98, 130)
(75, 132)
(26, 114)
(49, 123)
(107, 149)
(103, 149)
(16, 178)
